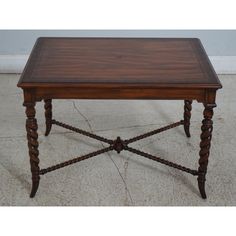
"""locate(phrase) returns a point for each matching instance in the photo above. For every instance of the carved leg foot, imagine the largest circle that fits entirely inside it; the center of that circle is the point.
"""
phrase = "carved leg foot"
(201, 184)
(207, 127)
(187, 116)
(48, 115)
(32, 136)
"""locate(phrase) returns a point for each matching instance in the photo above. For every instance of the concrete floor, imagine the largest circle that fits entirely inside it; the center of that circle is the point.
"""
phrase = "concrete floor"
(117, 179)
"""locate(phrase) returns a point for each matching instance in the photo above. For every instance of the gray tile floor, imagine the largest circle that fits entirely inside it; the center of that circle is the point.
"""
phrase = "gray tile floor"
(117, 179)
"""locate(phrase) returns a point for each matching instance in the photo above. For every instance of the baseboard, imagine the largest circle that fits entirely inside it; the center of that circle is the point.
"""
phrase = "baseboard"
(12, 63)
(16, 63)
(224, 64)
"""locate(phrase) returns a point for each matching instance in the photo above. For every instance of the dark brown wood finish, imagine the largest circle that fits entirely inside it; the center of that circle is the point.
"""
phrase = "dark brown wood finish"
(32, 136)
(187, 116)
(207, 127)
(119, 68)
(96, 61)
(48, 115)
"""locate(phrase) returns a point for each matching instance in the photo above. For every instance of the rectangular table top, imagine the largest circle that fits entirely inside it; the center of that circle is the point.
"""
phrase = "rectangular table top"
(123, 62)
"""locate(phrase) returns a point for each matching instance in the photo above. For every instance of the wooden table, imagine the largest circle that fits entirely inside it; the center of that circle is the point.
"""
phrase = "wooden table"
(119, 68)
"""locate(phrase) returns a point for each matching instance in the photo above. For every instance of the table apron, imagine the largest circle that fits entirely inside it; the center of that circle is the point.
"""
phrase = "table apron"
(117, 93)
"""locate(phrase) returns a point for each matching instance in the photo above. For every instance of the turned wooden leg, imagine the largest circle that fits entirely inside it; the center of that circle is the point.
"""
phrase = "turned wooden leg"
(187, 116)
(48, 115)
(32, 136)
(207, 126)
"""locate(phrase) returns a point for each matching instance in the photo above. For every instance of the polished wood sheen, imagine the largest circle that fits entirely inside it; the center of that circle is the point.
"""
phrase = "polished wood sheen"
(119, 62)
(32, 136)
(119, 68)
(48, 115)
(187, 116)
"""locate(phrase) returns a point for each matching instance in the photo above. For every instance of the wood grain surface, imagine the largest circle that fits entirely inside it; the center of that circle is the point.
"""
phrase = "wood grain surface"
(123, 62)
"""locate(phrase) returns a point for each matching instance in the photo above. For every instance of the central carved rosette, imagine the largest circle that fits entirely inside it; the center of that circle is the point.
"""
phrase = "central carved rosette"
(119, 145)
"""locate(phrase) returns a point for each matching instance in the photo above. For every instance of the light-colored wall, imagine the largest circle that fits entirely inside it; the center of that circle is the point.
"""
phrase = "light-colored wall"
(15, 45)
(216, 42)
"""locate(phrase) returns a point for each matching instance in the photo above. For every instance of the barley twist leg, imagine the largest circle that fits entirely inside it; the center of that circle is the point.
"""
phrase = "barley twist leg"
(48, 115)
(32, 136)
(207, 127)
(187, 116)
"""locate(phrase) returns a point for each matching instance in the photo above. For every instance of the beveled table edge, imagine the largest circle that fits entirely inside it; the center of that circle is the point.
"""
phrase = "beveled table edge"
(117, 85)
